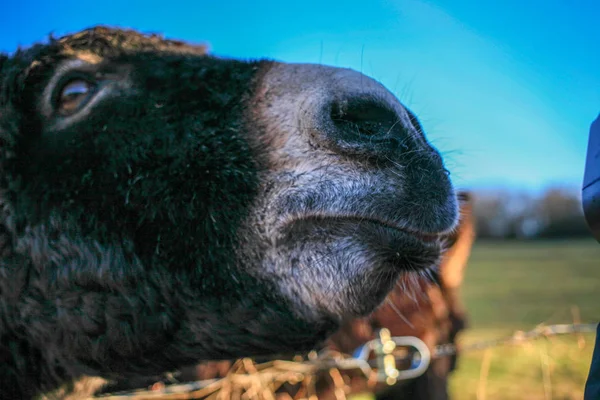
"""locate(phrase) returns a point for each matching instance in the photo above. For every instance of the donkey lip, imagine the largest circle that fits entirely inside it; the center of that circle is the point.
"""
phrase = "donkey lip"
(425, 237)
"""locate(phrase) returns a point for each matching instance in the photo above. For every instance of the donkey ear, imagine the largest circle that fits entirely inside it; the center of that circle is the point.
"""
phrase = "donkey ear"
(454, 262)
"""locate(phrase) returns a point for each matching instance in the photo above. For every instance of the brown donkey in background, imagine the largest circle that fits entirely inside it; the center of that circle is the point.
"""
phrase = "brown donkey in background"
(416, 307)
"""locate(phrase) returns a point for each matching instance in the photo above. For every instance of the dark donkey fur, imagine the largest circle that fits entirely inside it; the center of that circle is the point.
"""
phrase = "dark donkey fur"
(431, 311)
(160, 206)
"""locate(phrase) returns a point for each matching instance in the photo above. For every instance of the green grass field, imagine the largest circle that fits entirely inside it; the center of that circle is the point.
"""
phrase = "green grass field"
(515, 286)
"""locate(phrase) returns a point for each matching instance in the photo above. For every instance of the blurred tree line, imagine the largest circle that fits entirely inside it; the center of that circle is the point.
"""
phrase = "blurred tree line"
(512, 214)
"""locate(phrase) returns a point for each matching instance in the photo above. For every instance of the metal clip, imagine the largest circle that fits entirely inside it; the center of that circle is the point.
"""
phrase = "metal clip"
(384, 347)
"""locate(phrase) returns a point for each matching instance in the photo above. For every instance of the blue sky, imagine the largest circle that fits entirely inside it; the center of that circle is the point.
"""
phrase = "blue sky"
(506, 89)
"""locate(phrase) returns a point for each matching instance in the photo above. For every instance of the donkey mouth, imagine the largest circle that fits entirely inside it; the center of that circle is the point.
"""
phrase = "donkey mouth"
(384, 240)
(426, 237)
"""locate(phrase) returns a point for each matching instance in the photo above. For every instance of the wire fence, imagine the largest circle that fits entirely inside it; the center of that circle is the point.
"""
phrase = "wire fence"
(386, 359)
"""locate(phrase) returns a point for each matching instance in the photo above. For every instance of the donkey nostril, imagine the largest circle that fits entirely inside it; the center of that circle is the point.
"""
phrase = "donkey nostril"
(367, 121)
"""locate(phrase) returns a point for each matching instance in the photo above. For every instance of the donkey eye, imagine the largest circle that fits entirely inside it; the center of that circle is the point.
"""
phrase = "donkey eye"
(73, 96)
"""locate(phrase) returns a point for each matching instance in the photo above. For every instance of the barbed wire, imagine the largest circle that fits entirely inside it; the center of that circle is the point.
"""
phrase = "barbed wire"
(517, 337)
(390, 352)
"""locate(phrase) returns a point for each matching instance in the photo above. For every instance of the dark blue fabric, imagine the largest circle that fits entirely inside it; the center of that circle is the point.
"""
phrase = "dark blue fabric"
(592, 386)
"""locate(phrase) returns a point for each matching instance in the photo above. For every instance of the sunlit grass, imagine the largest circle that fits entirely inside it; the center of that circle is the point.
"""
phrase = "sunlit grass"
(515, 286)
